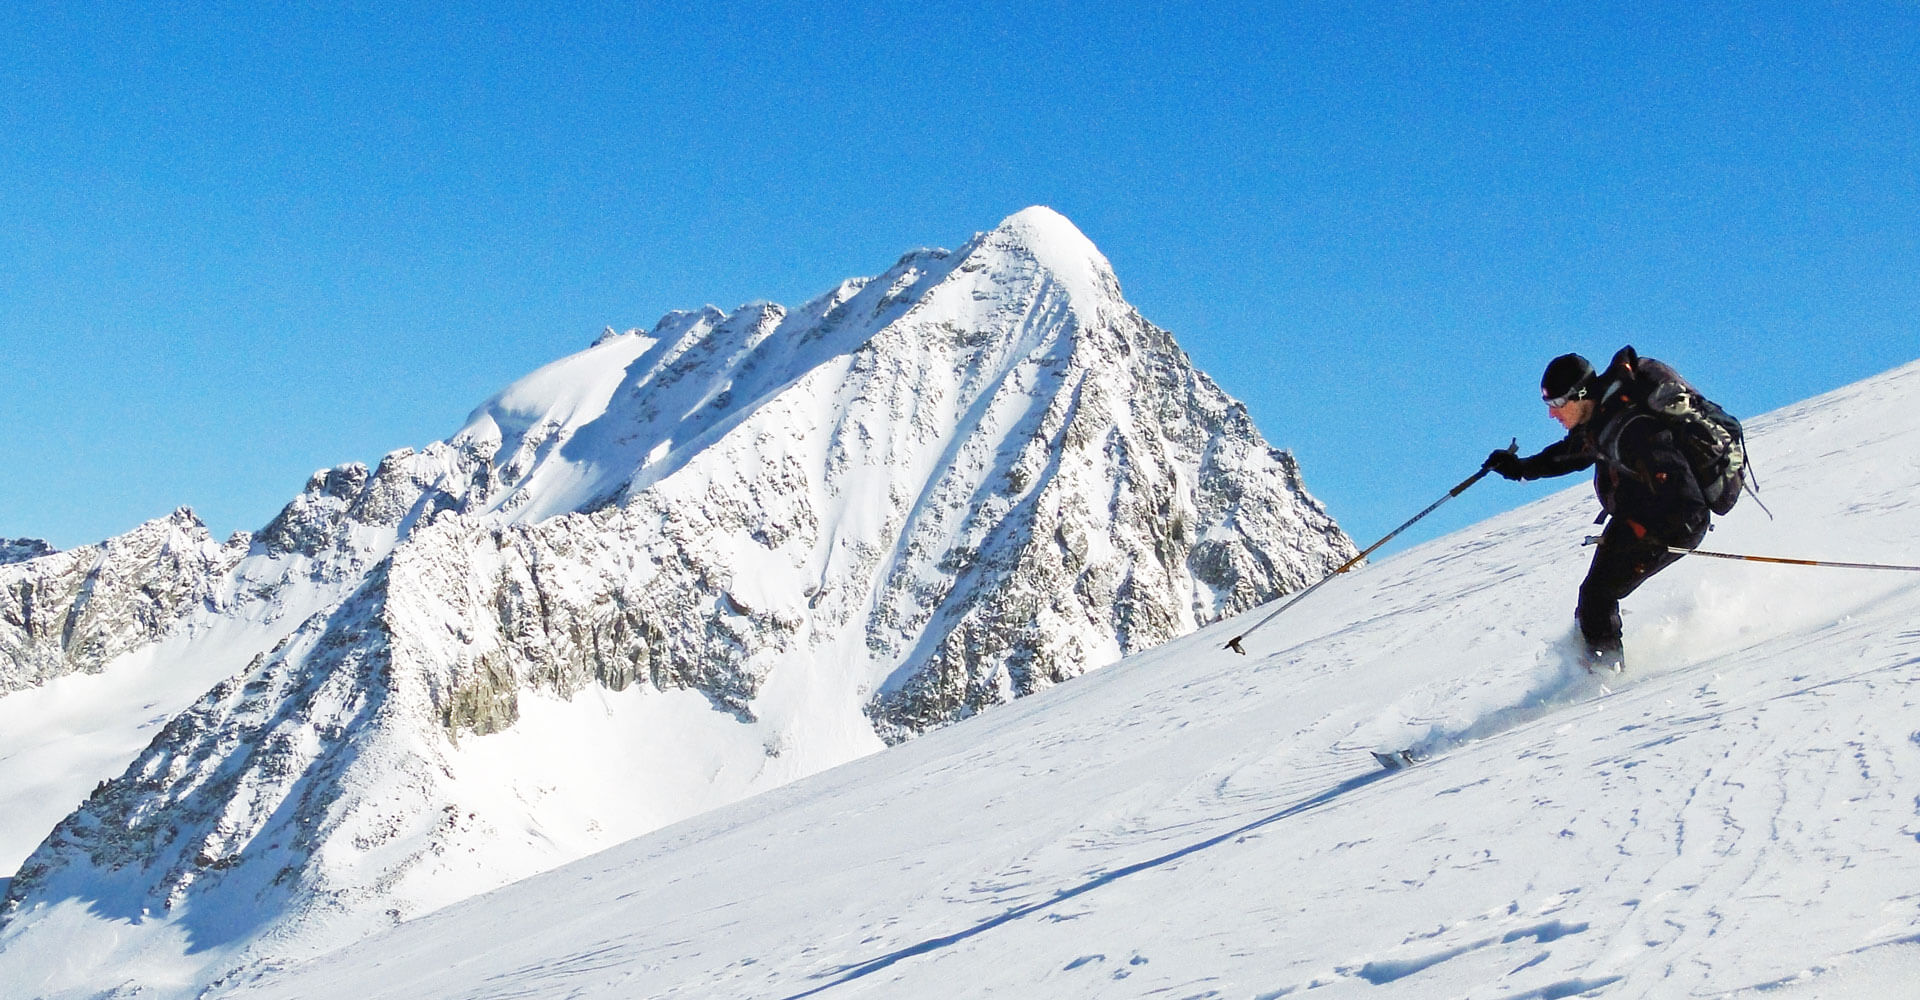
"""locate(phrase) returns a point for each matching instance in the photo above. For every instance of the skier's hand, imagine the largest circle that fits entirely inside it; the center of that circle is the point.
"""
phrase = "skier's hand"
(1504, 462)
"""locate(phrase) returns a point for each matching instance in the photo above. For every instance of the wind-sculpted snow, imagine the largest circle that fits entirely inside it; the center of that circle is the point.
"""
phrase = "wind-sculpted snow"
(675, 569)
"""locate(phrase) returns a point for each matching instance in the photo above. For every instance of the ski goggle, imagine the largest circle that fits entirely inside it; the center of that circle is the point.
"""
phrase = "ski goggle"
(1576, 394)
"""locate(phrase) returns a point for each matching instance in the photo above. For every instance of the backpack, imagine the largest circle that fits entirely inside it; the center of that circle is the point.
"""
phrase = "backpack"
(1711, 439)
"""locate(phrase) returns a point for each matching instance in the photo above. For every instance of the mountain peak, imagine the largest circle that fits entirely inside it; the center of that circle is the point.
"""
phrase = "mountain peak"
(1053, 241)
(1043, 225)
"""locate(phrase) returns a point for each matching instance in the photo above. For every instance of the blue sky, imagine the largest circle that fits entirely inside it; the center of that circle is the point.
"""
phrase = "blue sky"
(242, 242)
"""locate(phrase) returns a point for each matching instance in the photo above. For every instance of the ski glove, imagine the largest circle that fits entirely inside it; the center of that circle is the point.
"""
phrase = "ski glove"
(1505, 463)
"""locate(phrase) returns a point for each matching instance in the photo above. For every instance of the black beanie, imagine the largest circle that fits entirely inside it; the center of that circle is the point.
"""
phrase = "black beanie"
(1566, 377)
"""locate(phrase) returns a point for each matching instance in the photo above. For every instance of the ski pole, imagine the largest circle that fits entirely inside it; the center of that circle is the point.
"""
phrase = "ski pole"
(1234, 643)
(1684, 551)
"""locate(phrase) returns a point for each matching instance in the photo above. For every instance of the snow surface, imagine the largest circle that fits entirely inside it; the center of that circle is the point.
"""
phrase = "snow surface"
(1735, 817)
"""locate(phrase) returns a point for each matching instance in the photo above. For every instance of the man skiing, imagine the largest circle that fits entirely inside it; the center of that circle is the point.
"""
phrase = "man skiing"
(1647, 489)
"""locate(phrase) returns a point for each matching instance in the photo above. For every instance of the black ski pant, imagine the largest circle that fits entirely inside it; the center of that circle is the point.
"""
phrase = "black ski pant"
(1622, 562)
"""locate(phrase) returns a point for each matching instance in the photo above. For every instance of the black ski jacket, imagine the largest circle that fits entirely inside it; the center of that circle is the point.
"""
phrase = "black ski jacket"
(1639, 474)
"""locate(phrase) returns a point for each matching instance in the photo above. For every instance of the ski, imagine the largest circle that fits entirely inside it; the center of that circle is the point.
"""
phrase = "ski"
(1398, 760)
(1605, 677)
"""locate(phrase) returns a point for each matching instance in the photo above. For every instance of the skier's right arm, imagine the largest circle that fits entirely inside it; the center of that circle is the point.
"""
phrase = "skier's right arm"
(1557, 459)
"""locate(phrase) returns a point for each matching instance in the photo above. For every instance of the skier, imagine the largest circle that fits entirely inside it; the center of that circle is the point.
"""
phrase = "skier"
(1648, 492)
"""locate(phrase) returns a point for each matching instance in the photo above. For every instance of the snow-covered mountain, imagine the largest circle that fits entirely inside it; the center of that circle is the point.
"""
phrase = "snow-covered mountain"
(670, 571)
(1735, 818)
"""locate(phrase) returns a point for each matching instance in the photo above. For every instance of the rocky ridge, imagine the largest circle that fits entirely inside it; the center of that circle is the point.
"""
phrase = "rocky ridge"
(13, 550)
(76, 611)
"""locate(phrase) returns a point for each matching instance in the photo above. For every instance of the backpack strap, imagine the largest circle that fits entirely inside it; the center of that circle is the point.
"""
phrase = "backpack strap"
(1606, 440)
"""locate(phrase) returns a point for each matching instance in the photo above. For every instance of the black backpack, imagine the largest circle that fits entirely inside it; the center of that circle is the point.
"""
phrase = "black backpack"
(1712, 440)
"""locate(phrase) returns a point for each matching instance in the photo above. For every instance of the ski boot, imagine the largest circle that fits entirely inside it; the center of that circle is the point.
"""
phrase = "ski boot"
(1605, 659)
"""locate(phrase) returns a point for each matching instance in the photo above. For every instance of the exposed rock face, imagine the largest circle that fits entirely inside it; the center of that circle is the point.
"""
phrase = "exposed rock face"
(13, 550)
(922, 494)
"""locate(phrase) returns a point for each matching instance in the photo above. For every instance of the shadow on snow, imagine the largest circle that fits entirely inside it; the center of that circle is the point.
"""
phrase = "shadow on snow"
(847, 974)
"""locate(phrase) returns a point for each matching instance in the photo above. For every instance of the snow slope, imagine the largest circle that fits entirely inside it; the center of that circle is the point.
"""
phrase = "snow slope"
(1735, 818)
